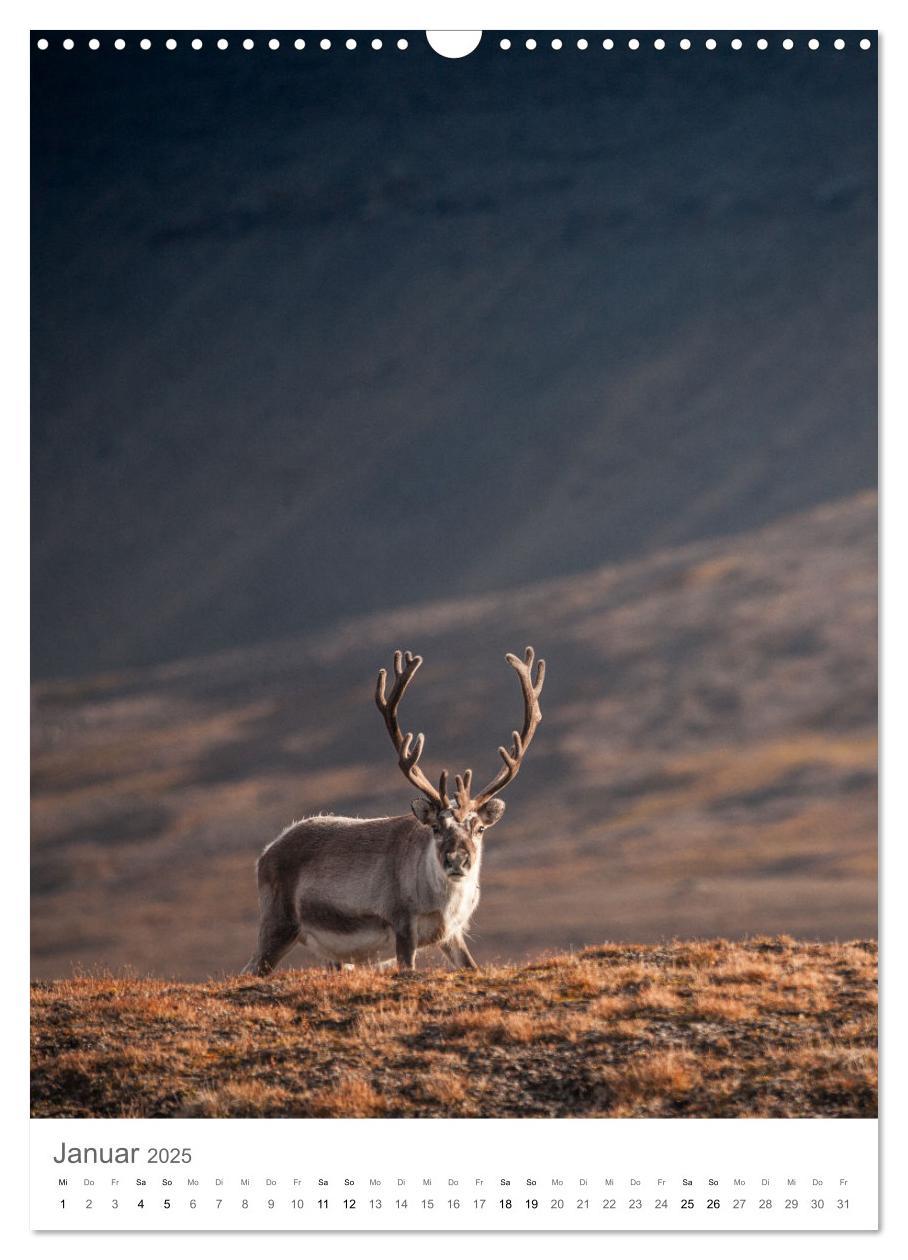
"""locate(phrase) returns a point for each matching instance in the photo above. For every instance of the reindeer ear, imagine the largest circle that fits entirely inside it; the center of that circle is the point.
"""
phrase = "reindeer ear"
(489, 814)
(424, 810)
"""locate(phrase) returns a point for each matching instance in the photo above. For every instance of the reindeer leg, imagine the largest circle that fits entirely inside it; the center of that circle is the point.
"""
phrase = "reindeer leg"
(456, 952)
(405, 941)
(278, 932)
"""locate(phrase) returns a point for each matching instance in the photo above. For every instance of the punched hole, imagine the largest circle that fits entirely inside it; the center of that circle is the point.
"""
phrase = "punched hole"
(453, 44)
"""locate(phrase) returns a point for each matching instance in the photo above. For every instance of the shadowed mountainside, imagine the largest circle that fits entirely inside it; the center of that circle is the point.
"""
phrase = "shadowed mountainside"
(705, 766)
(316, 335)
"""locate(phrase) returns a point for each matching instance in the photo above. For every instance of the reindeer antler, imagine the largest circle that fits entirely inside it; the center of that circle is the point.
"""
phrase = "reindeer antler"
(463, 784)
(532, 716)
(408, 750)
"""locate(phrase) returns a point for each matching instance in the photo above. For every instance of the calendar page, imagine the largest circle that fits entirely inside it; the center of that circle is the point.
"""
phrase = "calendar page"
(454, 674)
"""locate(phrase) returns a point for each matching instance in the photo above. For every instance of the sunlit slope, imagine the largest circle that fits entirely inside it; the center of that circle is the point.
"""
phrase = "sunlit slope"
(705, 764)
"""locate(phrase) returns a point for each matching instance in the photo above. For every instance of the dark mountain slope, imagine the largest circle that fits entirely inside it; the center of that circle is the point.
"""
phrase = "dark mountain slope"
(316, 334)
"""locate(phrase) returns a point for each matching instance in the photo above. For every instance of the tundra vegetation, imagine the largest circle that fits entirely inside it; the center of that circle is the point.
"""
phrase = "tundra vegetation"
(770, 1026)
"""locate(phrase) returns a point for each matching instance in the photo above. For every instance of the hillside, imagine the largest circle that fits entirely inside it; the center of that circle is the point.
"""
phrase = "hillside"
(706, 762)
(771, 1027)
(315, 335)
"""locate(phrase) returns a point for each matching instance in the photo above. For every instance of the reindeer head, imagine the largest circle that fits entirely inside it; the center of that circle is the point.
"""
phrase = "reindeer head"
(459, 821)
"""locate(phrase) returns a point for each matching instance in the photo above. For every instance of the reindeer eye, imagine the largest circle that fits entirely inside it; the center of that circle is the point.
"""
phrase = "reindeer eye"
(480, 830)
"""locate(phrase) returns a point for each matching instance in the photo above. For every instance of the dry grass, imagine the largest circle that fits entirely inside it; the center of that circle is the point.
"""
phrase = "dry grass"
(767, 1027)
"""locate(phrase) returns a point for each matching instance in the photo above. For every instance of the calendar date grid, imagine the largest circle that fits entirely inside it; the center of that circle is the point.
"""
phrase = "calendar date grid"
(452, 1195)
(483, 1175)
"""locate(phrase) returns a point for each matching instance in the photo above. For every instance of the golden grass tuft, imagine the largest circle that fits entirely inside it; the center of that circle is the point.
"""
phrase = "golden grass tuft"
(352, 1096)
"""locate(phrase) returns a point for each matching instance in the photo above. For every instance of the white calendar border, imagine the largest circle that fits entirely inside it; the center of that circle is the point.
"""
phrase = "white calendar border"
(490, 1167)
(463, 15)
(230, 14)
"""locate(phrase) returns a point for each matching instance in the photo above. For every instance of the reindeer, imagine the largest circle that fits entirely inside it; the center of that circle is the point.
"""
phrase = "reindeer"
(371, 889)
